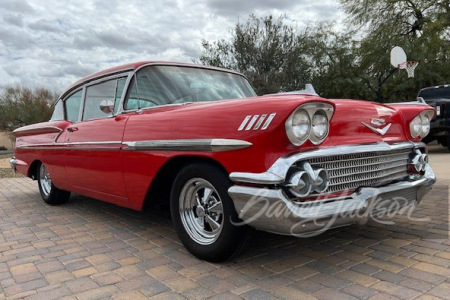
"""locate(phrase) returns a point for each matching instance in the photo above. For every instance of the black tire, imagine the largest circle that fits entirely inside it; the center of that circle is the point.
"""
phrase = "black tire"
(447, 141)
(50, 193)
(443, 140)
(196, 222)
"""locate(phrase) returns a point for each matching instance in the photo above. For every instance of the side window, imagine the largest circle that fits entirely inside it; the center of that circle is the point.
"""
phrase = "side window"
(139, 95)
(58, 112)
(73, 103)
(97, 94)
(149, 88)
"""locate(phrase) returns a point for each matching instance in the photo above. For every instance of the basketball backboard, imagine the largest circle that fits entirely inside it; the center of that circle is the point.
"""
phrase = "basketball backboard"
(398, 57)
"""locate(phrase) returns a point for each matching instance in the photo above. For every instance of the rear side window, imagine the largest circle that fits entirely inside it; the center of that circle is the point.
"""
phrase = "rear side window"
(58, 112)
(73, 103)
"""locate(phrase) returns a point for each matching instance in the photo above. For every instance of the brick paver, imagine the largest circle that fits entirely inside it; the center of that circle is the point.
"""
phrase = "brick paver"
(87, 249)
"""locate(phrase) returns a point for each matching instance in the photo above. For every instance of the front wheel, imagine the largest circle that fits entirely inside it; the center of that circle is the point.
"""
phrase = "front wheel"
(204, 215)
(49, 193)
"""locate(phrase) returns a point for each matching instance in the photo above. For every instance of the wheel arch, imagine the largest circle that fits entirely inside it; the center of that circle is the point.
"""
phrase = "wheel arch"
(33, 169)
(158, 194)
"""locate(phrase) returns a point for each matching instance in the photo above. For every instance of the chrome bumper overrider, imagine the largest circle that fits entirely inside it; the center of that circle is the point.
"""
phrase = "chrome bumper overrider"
(13, 163)
(270, 209)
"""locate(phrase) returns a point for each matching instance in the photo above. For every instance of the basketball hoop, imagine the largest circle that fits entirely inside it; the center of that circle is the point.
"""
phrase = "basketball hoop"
(410, 66)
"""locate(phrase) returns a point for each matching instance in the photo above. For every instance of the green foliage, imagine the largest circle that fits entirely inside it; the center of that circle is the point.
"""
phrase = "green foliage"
(421, 27)
(267, 51)
(351, 64)
(21, 106)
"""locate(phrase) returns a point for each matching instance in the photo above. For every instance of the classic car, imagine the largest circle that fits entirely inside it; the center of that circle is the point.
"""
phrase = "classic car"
(226, 161)
(439, 98)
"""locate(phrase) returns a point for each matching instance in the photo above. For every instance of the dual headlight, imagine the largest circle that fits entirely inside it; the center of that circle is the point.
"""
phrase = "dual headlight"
(310, 121)
(420, 125)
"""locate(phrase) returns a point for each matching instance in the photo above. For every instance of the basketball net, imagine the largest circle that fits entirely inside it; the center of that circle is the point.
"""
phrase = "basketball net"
(409, 66)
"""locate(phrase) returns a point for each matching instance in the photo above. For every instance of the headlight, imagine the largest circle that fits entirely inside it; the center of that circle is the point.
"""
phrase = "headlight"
(416, 126)
(298, 127)
(425, 125)
(320, 127)
(420, 125)
(309, 121)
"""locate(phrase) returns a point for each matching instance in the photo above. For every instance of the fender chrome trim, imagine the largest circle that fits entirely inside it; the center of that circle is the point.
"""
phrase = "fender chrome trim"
(100, 145)
(195, 145)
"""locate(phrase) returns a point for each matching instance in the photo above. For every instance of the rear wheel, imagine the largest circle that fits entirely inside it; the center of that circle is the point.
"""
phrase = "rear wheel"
(49, 193)
(203, 214)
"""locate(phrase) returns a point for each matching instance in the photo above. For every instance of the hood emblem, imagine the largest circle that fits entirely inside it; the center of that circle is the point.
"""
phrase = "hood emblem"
(378, 122)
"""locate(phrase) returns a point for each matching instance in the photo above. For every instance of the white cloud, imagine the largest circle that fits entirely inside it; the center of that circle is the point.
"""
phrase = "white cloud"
(53, 43)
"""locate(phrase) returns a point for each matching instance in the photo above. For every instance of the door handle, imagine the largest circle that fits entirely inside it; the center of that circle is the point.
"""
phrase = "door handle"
(72, 129)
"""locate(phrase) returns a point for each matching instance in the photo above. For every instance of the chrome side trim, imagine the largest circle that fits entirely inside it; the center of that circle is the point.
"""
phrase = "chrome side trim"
(260, 121)
(269, 120)
(50, 129)
(197, 145)
(252, 121)
(241, 127)
(78, 146)
(276, 174)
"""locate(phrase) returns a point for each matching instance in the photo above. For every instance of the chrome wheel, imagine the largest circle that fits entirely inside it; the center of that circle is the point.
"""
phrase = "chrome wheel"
(201, 211)
(45, 180)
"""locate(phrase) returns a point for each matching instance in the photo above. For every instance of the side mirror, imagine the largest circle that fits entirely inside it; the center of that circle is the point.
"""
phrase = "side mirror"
(107, 106)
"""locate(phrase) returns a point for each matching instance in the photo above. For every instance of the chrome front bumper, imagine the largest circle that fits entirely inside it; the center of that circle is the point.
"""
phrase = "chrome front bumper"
(270, 209)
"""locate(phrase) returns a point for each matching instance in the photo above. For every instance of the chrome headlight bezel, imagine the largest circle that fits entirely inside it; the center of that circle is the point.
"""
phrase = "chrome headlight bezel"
(310, 109)
(293, 122)
(420, 125)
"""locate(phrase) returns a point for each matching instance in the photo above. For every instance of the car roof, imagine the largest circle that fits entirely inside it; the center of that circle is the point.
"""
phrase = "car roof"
(134, 66)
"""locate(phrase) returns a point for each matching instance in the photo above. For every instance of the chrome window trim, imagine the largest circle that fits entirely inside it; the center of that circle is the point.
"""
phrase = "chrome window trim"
(195, 145)
(80, 113)
(190, 66)
(276, 174)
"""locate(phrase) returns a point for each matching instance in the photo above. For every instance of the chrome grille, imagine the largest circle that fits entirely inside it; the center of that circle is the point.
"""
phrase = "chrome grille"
(351, 171)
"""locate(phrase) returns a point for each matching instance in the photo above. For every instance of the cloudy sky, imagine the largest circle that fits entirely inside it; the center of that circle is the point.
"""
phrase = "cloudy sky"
(53, 43)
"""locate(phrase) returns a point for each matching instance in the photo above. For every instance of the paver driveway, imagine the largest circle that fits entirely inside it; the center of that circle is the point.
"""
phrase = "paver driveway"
(87, 249)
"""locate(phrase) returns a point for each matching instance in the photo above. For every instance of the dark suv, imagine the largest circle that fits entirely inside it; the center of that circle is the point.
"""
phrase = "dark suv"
(439, 98)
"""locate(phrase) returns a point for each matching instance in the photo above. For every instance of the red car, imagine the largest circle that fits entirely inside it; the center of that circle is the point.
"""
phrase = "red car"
(226, 160)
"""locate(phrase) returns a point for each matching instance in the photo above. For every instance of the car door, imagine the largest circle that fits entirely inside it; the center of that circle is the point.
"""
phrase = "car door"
(93, 155)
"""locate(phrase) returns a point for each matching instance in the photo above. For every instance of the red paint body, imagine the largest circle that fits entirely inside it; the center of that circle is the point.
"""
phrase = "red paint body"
(123, 177)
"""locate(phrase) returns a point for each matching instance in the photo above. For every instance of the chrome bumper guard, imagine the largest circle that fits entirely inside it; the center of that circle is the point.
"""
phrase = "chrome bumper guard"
(270, 209)
(13, 163)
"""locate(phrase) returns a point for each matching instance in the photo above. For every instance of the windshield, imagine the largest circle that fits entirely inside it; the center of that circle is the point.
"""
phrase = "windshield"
(435, 93)
(161, 85)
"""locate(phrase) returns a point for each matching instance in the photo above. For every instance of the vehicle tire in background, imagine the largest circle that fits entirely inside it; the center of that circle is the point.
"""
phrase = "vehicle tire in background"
(49, 193)
(447, 141)
(203, 214)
